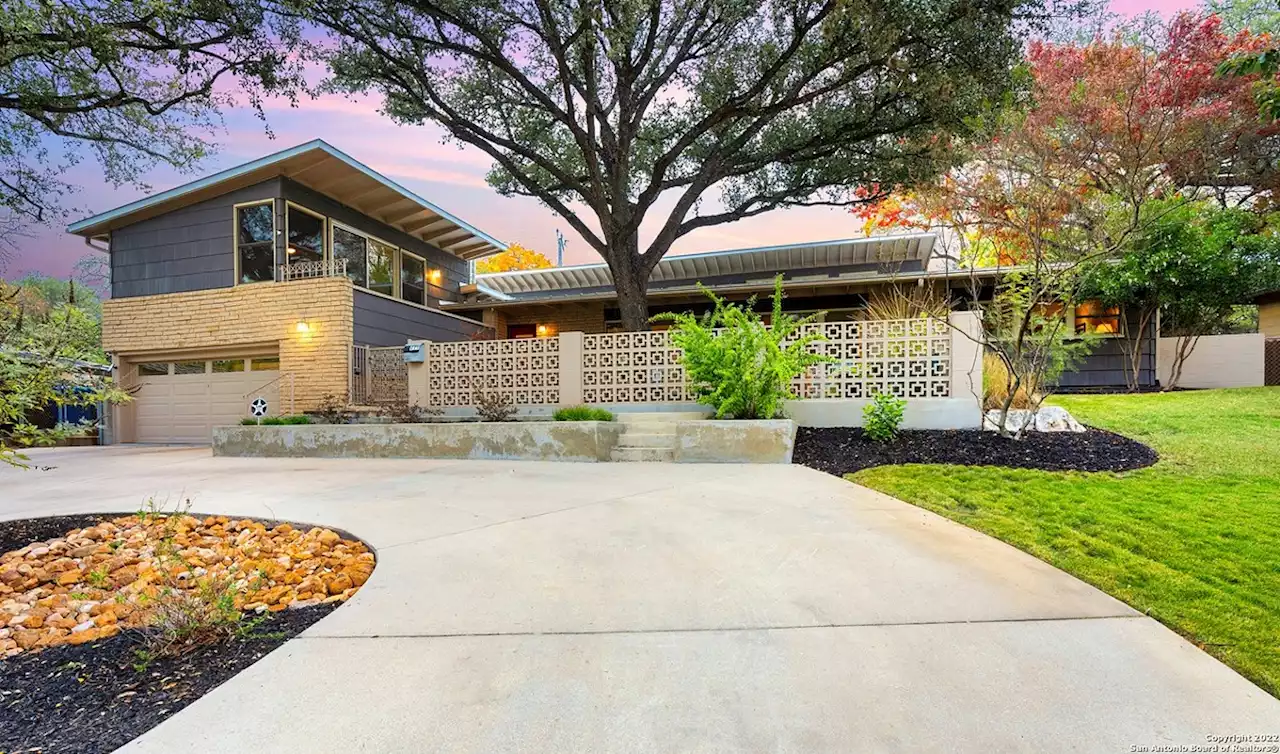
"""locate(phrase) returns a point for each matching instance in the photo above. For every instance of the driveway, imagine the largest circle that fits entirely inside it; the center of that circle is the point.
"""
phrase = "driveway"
(539, 607)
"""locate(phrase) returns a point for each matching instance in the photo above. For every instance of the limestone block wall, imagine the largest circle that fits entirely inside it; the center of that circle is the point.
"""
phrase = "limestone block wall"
(244, 317)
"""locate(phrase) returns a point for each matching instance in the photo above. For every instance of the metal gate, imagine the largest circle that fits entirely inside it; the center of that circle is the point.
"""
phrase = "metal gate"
(378, 375)
(1272, 359)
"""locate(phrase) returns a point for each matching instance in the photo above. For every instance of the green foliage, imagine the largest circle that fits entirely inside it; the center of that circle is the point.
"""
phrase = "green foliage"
(771, 104)
(736, 363)
(41, 343)
(583, 414)
(130, 84)
(1190, 541)
(882, 416)
(277, 421)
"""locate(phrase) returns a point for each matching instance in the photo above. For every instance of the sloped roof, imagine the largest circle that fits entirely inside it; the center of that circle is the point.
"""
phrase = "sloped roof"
(326, 170)
(765, 261)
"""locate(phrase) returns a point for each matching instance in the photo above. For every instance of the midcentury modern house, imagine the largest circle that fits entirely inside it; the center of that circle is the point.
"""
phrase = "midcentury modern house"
(276, 278)
(259, 280)
(840, 278)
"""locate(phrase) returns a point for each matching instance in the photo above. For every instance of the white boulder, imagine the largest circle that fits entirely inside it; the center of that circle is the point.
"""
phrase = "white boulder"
(1046, 419)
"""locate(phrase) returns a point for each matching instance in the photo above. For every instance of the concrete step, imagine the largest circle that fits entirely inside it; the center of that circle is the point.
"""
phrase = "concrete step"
(637, 439)
(658, 455)
(648, 417)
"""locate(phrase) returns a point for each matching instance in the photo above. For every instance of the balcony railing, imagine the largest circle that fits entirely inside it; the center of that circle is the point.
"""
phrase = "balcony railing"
(325, 268)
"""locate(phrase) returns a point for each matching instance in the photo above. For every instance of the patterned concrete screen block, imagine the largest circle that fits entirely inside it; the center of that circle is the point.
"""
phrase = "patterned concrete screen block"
(735, 441)
(529, 441)
(527, 371)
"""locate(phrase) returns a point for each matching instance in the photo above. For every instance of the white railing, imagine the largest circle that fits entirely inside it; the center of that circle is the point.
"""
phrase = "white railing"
(378, 375)
(323, 268)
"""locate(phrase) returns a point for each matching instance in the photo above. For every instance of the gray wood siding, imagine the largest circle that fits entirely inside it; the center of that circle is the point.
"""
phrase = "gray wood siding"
(379, 321)
(454, 271)
(189, 249)
(1107, 365)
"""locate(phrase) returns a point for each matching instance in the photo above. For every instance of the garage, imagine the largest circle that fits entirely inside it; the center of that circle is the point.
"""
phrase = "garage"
(182, 400)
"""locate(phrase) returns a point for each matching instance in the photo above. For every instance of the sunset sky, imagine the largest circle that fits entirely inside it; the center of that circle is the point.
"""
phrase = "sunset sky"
(415, 157)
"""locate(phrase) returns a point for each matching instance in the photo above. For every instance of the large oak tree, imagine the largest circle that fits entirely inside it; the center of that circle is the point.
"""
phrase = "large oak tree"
(129, 83)
(698, 112)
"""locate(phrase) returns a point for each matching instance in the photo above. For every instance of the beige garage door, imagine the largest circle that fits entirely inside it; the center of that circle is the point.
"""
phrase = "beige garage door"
(182, 401)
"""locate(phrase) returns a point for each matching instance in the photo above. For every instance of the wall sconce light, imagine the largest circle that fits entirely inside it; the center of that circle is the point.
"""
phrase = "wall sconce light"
(546, 331)
(303, 327)
(435, 276)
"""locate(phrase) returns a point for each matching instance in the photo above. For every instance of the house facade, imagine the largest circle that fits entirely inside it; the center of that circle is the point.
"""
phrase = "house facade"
(844, 278)
(259, 280)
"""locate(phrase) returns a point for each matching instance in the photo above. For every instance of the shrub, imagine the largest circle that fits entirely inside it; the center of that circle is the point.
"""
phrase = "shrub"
(332, 410)
(493, 407)
(996, 383)
(583, 414)
(736, 363)
(882, 417)
(276, 421)
(403, 412)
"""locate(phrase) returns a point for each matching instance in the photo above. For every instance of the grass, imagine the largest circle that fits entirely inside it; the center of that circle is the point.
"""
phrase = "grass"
(1193, 541)
(582, 414)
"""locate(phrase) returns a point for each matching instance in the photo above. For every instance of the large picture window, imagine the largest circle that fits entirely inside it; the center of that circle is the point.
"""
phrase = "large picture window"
(382, 268)
(255, 242)
(1093, 317)
(306, 236)
(412, 278)
(351, 247)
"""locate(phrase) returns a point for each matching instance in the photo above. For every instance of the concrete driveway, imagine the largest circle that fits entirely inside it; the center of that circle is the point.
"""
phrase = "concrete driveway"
(529, 607)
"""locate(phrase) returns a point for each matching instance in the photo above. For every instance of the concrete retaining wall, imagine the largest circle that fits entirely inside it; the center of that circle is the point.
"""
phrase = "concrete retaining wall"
(529, 441)
(732, 441)
(1216, 361)
(921, 413)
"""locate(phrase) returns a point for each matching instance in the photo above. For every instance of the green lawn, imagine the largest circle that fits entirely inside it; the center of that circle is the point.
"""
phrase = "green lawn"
(1193, 541)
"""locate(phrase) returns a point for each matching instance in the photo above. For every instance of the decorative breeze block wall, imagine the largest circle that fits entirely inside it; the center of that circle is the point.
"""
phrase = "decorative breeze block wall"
(528, 371)
(908, 358)
(632, 367)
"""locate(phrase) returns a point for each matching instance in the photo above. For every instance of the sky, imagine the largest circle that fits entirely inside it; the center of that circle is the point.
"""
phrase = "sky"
(418, 158)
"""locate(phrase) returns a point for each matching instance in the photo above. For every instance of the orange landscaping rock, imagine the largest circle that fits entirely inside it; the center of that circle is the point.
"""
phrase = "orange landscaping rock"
(89, 583)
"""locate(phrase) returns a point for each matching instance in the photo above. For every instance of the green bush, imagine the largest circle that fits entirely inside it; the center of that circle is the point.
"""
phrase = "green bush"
(276, 421)
(736, 363)
(583, 414)
(882, 417)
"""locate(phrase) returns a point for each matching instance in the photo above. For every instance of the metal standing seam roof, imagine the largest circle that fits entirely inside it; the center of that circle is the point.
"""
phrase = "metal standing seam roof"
(791, 258)
(325, 170)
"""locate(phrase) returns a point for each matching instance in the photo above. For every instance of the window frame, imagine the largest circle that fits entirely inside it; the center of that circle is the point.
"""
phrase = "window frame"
(1074, 319)
(336, 225)
(235, 239)
(426, 283)
(326, 244)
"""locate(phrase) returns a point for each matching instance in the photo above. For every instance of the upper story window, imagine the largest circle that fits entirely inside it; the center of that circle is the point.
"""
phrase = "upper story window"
(351, 246)
(413, 278)
(306, 235)
(255, 242)
(382, 267)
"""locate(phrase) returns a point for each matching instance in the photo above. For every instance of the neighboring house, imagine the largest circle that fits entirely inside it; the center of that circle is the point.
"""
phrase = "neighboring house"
(838, 277)
(259, 280)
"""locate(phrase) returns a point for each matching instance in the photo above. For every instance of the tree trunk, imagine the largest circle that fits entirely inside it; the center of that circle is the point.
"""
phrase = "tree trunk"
(631, 280)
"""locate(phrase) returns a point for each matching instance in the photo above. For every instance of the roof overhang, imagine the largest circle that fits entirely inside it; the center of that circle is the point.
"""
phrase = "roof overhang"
(325, 170)
(852, 279)
(765, 261)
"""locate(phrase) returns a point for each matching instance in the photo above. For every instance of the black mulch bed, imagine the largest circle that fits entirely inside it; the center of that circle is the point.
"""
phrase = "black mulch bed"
(844, 450)
(90, 698)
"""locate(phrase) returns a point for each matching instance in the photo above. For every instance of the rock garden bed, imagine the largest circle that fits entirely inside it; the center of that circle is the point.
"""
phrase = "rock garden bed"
(844, 450)
(111, 623)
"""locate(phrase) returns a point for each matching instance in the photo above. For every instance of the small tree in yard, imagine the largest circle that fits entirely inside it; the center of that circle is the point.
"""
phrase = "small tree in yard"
(38, 347)
(1192, 264)
(683, 113)
(736, 363)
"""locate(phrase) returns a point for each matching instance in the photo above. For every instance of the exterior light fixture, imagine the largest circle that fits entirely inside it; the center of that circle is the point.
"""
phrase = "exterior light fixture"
(435, 276)
(302, 327)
